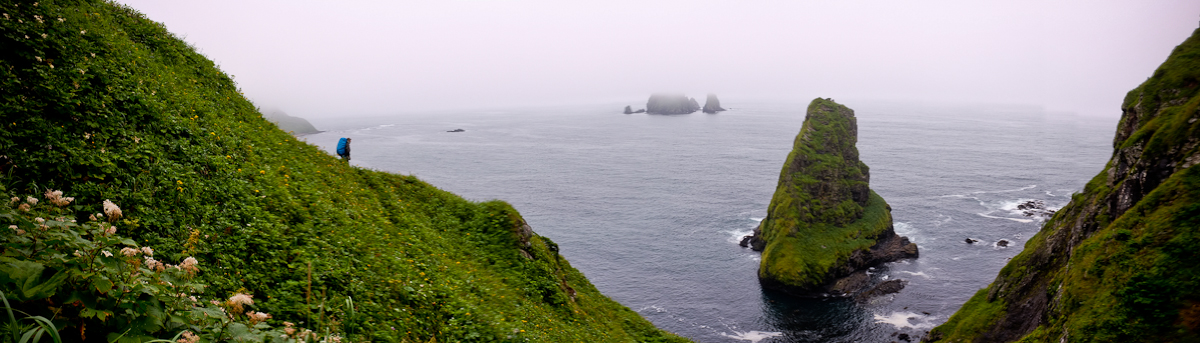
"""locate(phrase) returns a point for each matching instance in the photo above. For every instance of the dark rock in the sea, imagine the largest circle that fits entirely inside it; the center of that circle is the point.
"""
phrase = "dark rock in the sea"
(883, 288)
(1035, 208)
(851, 284)
(628, 110)
(971, 241)
(457, 130)
(712, 105)
(746, 241)
(904, 337)
(1002, 243)
(640, 110)
(666, 103)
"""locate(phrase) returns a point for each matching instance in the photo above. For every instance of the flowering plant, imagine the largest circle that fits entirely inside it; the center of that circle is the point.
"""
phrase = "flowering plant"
(88, 280)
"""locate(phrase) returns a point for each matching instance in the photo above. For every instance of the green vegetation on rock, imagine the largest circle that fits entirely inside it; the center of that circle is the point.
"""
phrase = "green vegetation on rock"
(1120, 262)
(103, 104)
(823, 220)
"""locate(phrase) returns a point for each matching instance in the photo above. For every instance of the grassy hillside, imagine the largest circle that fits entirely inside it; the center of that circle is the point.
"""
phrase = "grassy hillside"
(1120, 262)
(101, 103)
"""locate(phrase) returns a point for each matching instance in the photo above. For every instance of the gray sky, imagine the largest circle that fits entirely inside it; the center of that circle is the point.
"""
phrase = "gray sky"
(324, 58)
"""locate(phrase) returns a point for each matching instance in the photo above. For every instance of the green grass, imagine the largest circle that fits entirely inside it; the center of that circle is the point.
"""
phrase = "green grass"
(109, 105)
(804, 259)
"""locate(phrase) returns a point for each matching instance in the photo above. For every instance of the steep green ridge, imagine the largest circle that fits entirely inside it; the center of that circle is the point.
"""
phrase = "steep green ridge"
(102, 103)
(1120, 262)
(824, 220)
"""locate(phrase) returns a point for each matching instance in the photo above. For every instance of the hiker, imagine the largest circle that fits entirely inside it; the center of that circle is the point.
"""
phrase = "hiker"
(343, 149)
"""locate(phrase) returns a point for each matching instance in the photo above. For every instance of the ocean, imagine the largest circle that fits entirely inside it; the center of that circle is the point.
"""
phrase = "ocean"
(651, 207)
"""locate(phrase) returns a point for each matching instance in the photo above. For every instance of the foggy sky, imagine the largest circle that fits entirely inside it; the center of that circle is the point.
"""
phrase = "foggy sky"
(325, 58)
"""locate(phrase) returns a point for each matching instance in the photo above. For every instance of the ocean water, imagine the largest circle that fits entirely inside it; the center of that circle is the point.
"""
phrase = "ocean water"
(651, 207)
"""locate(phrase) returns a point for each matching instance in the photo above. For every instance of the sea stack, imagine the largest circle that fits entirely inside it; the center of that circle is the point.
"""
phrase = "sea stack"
(712, 105)
(668, 103)
(628, 110)
(824, 225)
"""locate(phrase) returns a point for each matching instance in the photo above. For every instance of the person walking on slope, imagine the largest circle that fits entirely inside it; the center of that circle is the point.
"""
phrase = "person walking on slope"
(343, 149)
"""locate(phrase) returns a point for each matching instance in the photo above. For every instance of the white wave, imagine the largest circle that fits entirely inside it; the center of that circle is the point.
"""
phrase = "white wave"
(985, 215)
(752, 336)
(756, 219)
(907, 320)
(655, 308)
(904, 229)
(988, 192)
(922, 274)
(735, 236)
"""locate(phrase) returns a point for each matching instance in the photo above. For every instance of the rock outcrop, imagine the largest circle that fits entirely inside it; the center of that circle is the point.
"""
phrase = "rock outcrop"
(1119, 263)
(824, 223)
(628, 110)
(287, 123)
(667, 103)
(712, 105)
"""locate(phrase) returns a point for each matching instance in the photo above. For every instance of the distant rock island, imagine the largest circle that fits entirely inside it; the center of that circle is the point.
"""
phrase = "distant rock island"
(629, 110)
(670, 103)
(295, 125)
(712, 105)
(824, 226)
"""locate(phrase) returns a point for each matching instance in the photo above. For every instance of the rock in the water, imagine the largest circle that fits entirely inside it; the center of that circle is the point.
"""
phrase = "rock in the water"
(883, 288)
(457, 130)
(712, 105)
(640, 110)
(824, 223)
(1035, 208)
(666, 103)
(628, 110)
(745, 240)
(971, 241)
(1002, 243)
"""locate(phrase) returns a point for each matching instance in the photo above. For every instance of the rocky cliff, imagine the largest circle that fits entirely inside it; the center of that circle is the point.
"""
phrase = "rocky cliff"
(824, 223)
(1120, 262)
(666, 103)
(712, 104)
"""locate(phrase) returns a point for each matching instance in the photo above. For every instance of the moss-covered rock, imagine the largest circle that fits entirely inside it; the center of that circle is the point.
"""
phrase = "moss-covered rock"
(824, 222)
(1120, 262)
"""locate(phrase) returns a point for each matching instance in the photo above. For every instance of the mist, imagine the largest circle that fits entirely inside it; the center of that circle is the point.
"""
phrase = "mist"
(358, 58)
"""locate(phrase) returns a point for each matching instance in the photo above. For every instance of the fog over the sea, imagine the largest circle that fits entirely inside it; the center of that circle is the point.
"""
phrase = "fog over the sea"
(336, 58)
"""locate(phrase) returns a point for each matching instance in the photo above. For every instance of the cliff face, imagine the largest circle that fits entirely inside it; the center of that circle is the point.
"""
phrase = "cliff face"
(824, 222)
(665, 103)
(712, 104)
(1121, 261)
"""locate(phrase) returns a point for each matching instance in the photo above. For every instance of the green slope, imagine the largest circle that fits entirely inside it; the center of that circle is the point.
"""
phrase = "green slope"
(102, 103)
(1120, 262)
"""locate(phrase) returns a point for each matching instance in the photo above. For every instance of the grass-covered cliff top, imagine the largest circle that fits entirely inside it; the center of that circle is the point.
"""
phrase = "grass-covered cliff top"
(822, 209)
(1119, 263)
(103, 104)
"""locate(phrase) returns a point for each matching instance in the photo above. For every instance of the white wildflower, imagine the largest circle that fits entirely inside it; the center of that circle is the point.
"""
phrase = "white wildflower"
(189, 264)
(38, 17)
(189, 337)
(13, 200)
(148, 251)
(23, 207)
(31, 200)
(110, 230)
(127, 251)
(38, 58)
(78, 253)
(61, 20)
(14, 227)
(106, 253)
(111, 210)
(39, 220)
(257, 317)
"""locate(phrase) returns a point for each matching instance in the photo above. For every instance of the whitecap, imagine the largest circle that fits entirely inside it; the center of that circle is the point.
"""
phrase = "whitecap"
(907, 320)
(985, 215)
(756, 219)
(916, 274)
(752, 336)
(735, 236)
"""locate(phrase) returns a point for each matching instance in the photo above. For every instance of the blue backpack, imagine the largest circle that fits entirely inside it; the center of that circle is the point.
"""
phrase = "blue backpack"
(341, 148)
